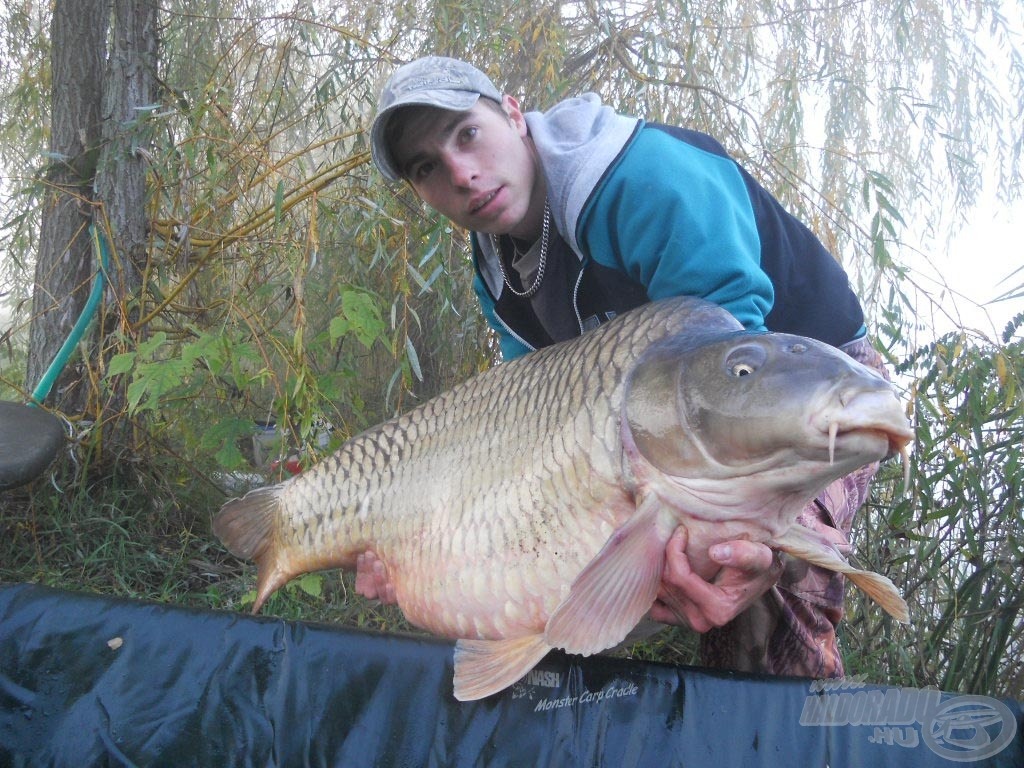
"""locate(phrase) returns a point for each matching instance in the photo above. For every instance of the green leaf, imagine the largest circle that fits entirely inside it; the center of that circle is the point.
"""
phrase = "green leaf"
(207, 346)
(229, 456)
(414, 359)
(135, 392)
(312, 584)
(149, 347)
(360, 316)
(122, 363)
(279, 202)
(153, 380)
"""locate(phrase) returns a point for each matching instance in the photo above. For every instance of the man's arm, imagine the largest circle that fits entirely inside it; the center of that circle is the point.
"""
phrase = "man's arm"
(678, 220)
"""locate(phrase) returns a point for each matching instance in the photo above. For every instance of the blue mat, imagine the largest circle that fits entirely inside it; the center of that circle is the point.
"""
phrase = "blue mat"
(91, 681)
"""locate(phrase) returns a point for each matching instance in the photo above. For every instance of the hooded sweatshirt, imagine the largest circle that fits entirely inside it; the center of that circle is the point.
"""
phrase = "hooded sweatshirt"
(643, 211)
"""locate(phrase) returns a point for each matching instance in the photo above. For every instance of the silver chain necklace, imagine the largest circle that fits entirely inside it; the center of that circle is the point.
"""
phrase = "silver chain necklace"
(541, 261)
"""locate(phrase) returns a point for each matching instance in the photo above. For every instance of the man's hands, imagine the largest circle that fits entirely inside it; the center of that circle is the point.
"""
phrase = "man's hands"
(372, 579)
(748, 571)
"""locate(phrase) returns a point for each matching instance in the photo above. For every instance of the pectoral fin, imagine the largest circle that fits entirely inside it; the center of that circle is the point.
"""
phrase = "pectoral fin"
(617, 588)
(483, 667)
(802, 543)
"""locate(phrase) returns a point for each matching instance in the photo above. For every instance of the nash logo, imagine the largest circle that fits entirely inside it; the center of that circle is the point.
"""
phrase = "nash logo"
(543, 678)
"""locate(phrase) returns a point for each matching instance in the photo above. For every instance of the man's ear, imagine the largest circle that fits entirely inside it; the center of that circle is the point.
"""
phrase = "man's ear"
(515, 115)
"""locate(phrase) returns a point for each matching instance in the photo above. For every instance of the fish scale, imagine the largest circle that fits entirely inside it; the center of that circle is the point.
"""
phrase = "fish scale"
(476, 414)
(529, 507)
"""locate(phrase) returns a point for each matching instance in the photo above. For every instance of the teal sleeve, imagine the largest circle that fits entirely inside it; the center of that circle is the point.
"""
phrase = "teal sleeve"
(678, 220)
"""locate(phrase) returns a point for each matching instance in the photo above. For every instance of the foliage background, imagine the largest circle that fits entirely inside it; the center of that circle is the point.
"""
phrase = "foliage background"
(284, 281)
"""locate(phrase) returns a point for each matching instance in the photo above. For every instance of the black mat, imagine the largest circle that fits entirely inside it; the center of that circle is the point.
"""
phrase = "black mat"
(89, 681)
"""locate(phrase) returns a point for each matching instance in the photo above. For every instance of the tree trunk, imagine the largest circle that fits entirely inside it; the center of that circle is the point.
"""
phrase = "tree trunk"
(64, 266)
(128, 96)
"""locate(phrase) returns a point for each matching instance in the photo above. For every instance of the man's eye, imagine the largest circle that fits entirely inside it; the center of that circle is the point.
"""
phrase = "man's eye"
(469, 133)
(422, 170)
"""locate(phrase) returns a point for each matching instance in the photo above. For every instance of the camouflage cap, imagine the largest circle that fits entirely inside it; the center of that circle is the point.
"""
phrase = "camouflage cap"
(433, 81)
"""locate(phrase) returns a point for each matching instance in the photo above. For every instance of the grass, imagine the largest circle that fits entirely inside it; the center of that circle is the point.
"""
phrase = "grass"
(128, 537)
(144, 533)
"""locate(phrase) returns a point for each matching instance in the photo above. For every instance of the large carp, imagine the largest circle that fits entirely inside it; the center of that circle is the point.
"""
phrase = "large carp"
(529, 507)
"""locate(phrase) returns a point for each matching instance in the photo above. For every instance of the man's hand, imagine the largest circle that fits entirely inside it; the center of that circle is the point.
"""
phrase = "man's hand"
(372, 579)
(748, 571)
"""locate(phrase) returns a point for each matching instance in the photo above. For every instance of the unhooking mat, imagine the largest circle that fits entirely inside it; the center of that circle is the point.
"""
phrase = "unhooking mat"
(93, 681)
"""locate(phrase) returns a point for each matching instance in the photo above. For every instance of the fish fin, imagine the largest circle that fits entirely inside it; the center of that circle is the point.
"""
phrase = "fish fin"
(645, 629)
(246, 527)
(483, 667)
(616, 589)
(803, 544)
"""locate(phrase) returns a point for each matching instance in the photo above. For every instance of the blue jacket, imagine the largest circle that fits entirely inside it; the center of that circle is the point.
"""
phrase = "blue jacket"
(646, 211)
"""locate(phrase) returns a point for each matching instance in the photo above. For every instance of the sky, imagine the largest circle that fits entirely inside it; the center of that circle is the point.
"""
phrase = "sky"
(991, 246)
(975, 267)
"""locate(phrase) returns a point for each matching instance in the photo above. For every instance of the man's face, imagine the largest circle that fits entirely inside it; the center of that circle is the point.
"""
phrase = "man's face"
(478, 168)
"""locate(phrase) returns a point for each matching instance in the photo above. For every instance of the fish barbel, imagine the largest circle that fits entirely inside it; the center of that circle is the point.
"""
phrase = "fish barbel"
(529, 507)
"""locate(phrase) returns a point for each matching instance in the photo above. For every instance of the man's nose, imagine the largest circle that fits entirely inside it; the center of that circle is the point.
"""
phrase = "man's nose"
(462, 170)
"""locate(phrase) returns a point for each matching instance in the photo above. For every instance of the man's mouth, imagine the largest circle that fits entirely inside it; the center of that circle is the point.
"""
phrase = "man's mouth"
(482, 203)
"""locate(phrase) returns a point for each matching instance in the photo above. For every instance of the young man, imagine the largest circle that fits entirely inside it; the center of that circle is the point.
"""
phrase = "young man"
(578, 214)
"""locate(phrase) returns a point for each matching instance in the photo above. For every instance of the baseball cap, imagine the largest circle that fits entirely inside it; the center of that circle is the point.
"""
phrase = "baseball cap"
(433, 81)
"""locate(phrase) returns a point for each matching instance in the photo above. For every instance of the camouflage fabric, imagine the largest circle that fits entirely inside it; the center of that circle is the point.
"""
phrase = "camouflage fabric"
(792, 629)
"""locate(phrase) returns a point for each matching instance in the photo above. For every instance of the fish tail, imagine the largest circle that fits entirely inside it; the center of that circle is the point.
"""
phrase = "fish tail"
(248, 528)
(483, 667)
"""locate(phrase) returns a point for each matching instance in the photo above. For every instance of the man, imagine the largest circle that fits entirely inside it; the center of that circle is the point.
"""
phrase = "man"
(579, 214)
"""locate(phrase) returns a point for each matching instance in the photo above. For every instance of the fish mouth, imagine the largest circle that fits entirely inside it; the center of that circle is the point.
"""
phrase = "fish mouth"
(873, 418)
(896, 440)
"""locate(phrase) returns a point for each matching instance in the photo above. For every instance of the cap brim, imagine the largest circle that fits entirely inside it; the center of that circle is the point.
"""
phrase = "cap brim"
(455, 101)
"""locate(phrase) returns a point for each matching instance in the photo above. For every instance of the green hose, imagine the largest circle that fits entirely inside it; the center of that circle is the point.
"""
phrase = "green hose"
(99, 244)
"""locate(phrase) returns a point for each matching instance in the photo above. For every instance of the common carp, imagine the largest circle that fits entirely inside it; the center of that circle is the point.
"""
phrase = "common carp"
(529, 507)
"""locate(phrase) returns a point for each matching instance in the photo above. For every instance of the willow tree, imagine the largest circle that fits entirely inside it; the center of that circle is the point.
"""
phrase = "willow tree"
(64, 265)
(101, 86)
(280, 278)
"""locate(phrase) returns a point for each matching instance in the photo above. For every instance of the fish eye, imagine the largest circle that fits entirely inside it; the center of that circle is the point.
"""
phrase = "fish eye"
(742, 369)
(744, 360)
